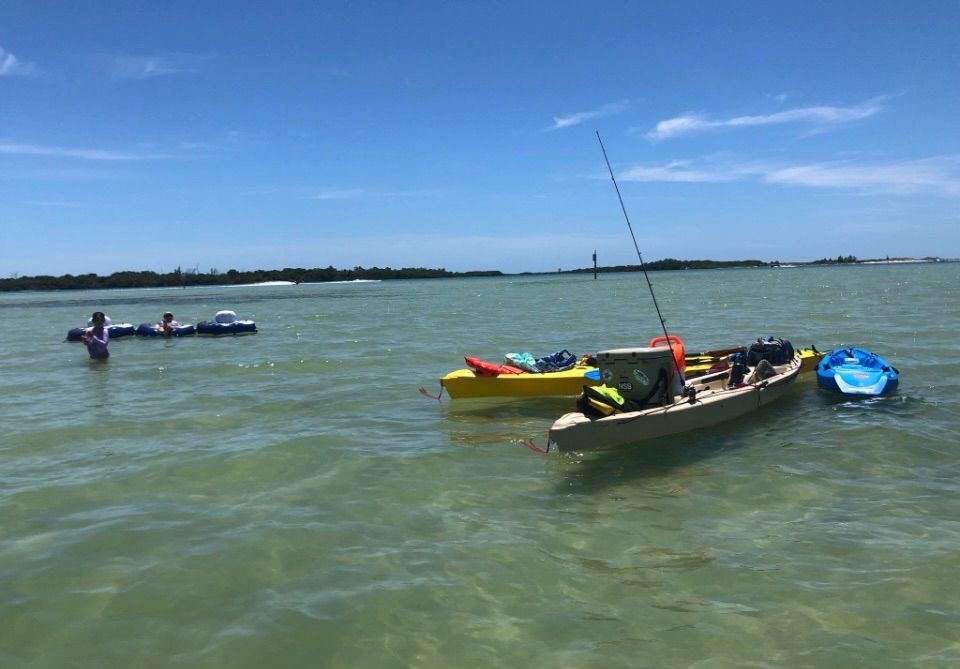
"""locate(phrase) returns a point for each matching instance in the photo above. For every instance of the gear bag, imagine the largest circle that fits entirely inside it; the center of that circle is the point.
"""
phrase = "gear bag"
(774, 350)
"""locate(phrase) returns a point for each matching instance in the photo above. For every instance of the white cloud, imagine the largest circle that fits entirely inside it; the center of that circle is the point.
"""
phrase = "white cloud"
(354, 193)
(818, 116)
(11, 66)
(58, 203)
(938, 176)
(81, 154)
(339, 194)
(676, 171)
(576, 119)
(680, 125)
(123, 68)
(339, 71)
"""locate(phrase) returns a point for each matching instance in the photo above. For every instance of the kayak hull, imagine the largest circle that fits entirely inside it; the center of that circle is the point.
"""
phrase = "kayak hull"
(465, 383)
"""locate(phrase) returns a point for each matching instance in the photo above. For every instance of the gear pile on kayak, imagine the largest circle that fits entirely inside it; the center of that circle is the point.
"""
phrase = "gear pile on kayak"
(481, 378)
(520, 363)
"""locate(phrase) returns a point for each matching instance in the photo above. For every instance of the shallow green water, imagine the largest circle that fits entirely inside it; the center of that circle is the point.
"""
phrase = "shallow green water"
(290, 499)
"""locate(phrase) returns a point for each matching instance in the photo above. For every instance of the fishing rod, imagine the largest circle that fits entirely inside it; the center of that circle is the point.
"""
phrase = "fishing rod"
(656, 306)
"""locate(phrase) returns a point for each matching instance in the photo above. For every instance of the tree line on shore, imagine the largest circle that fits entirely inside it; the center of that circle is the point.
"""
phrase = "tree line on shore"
(179, 278)
(192, 277)
(673, 264)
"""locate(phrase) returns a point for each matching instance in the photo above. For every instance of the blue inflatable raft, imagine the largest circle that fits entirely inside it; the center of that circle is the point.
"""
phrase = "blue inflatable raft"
(226, 323)
(115, 331)
(151, 330)
(854, 371)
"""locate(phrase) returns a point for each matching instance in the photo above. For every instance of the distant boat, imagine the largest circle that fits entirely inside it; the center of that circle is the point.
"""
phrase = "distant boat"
(272, 283)
(327, 283)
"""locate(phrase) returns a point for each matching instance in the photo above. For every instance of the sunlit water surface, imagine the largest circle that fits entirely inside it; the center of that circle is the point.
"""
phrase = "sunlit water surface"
(289, 499)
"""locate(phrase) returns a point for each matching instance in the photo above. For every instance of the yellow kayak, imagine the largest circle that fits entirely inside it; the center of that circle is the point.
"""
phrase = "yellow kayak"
(465, 383)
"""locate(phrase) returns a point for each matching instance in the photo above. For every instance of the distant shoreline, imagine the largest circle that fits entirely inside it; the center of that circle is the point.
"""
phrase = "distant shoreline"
(293, 276)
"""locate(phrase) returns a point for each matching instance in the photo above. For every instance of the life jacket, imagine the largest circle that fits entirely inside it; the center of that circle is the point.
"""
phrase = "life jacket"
(600, 401)
(484, 368)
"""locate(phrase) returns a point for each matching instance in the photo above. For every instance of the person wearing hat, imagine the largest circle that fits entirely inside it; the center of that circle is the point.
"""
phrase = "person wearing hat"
(167, 325)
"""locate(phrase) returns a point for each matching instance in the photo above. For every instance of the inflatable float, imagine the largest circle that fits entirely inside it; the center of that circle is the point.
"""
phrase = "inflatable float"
(153, 330)
(226, 323)
(118, 330)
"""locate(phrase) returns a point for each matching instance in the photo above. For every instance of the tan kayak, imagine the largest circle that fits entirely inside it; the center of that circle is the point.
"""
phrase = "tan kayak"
(712, 401)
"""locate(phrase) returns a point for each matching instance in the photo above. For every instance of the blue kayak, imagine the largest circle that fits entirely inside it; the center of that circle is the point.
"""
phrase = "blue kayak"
(854, 371)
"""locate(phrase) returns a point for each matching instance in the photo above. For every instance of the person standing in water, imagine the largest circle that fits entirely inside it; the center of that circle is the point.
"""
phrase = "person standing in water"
(96, 337)
(167, 325)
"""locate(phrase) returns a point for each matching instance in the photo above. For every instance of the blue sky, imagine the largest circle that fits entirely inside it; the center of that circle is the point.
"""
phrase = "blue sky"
(255, 135)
